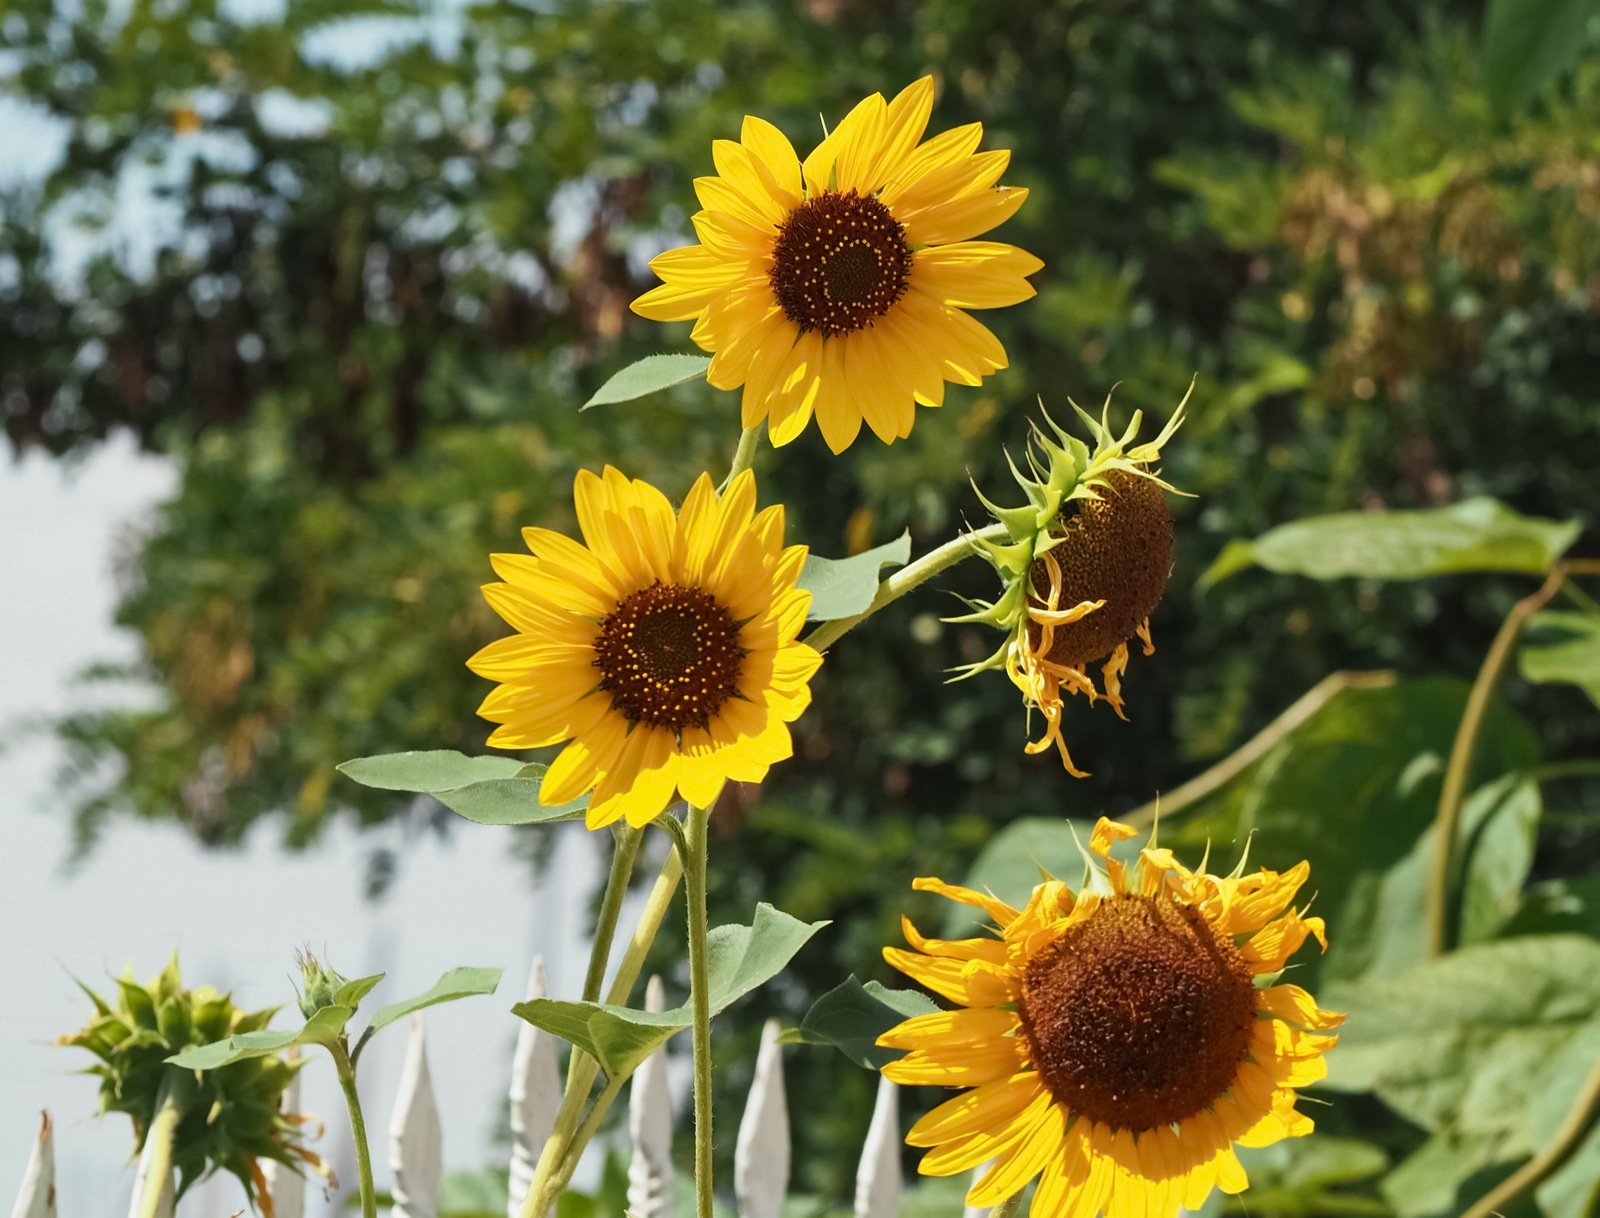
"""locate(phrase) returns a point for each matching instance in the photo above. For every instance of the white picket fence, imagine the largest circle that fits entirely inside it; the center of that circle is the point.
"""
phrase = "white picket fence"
(415, 1145)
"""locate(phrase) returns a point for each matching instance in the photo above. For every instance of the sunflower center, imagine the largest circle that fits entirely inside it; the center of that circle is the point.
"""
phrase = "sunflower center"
(669, 656)
(839, 263)
(1140, 1015)
(1117, 548)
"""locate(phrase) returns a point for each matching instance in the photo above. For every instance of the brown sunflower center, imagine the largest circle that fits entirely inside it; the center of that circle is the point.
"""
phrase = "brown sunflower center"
(1118, 549)
(1140, 1015)
(840, 262)
(669, 656)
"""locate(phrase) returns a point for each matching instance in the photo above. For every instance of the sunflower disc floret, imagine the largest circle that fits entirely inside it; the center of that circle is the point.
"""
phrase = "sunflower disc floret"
(1116, 1042)
(838, 287)
(1084, 563)
(662, 651)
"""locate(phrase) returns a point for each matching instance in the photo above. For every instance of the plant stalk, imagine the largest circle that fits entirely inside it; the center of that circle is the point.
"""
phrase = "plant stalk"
(625, 849)
(906, 579)
(171, 1099)
(1453, 792)
(1575, 1127)
(1008, 1208)
(744, 455)
(565, 1145)
(700, 999)
(358, 1127)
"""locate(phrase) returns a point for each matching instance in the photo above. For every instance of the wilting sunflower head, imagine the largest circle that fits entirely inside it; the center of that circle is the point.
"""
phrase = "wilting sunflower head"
(233, 1116)
(1118, 1041)
(838, 286)
(1084, 563)
(663, 650)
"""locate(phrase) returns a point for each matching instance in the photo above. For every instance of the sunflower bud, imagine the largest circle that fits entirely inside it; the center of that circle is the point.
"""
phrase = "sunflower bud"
(320, 985)
(1084, 563)
(232, 1117)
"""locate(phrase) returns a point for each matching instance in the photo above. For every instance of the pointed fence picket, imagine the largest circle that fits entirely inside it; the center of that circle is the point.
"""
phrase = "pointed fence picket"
(761, 1150)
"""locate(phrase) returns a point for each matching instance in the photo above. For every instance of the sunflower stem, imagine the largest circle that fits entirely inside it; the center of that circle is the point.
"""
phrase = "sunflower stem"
(1575, 1127)
(567, 1140)
(1008, 1208)
(700, 997)
(177, 1087)
(1453, 791)
(624, 850)
(346, 1071)
(745, 455)
(906, 579)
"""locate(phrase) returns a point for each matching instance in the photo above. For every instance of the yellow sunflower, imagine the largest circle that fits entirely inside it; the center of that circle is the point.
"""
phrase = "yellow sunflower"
(1084, 563)
(1114, 1041)
(838, 286)
(663, 650)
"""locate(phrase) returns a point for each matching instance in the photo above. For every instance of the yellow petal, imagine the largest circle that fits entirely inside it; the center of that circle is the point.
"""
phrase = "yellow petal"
(975, 274)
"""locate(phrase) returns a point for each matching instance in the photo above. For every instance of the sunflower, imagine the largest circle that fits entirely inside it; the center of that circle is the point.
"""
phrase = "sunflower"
(1084, 563)
(663, 650)
(838, 287)
(1114, 1041)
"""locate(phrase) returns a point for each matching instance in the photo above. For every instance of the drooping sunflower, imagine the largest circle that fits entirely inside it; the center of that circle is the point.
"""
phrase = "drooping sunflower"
(838, 286)
(1113, 1041)
(663, 650)
(1084, 563)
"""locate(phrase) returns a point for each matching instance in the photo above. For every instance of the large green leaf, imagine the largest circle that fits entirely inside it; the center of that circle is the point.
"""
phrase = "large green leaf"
(427, 772)
(1528, 43)
(323, 1028)
(1474, 535)
(1474, 1042)
(852, 1016)
(740, 958)
(457, 983)
(844, 587)
(1353, 789)
(649, 375)
(510, 801)
(1564, 647)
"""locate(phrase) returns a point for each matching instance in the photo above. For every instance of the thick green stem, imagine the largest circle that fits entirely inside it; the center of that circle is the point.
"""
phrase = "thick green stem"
(624, 850)
(905, 580)
(1575, 1127)
(700, 999)
(745, 455)
(177, 1086)
(1453, 792)
(358, 1127)
(565, 1145)
(1008, 1208)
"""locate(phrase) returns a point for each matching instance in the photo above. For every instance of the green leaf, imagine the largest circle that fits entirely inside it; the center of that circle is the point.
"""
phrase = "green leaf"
(429, 772)
(620, 1038)
(1474, 535)
(852, 1016)
(457, 983)
(510, 801)
(352, 992)
(323, 1028)
(649, 375)
(1475, 1041)
(1012, 864)
(844, 587)
(1528, 43)
(1566, 648)
(1444, 1175)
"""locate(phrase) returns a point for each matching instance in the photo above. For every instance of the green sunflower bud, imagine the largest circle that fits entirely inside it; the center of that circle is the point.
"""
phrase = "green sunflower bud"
(320, 985)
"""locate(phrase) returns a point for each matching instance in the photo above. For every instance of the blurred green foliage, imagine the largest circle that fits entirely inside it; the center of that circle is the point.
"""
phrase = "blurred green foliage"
(354, 266)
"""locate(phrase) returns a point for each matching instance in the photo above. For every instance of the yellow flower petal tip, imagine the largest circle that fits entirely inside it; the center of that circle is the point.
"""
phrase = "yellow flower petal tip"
(838, 288)
(662, 650)
(1112, 1044)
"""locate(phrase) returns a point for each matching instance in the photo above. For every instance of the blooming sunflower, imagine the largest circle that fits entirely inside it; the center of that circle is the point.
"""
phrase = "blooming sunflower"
(1114, 1040)
(663, 650)
(1084, 563)
(837, 287)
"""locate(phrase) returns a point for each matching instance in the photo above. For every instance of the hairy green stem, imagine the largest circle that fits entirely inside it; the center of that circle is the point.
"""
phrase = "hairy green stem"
(624, 850)
(358, 1127)
(744, 456)
(1008, 1208)
(1575, 1127)
(906, 579)
(565, 1145)
(177, 1086)
(700, 999)
(1453, 791)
